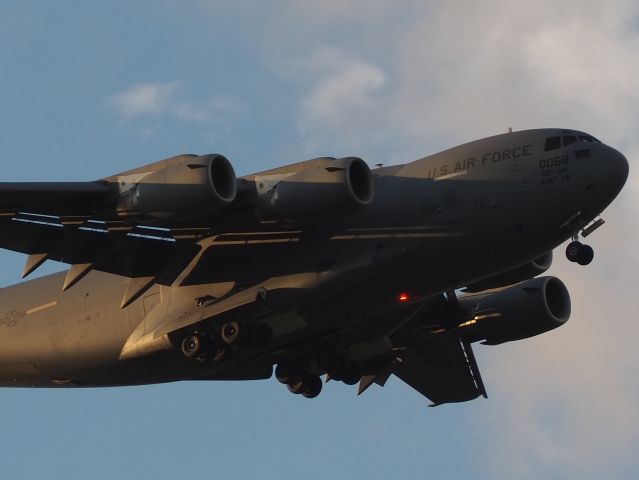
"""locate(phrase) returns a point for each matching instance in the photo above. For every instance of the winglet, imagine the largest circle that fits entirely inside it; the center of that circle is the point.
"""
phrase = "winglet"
(33, 262)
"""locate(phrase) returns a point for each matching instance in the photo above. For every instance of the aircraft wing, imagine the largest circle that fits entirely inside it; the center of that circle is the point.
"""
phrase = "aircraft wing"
(130, 251)
(55, 198)
(53, 221)
(148, 223)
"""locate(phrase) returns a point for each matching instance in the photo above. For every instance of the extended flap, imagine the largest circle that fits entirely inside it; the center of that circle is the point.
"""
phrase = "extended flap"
(442, 368)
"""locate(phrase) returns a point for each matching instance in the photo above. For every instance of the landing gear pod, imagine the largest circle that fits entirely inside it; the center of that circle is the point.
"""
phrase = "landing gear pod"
(340, 186)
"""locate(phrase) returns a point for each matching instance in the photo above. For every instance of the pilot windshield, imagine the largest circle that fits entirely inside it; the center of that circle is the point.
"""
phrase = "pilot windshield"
(554, 143)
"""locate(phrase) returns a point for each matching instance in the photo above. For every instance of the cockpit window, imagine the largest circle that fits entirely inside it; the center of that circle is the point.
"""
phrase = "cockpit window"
(568, 140)
(588, 138)
(552, 143)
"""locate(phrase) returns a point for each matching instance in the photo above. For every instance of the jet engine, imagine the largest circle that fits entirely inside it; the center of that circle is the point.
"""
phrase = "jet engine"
(524, 272)
(338, 186)
(521, 311)
(184, 186)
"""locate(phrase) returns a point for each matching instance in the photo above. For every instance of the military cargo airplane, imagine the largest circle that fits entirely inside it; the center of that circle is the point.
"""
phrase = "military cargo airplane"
(179, 270)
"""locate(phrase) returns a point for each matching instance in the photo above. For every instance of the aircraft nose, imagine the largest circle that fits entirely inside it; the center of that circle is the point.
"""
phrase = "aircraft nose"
(617, 170)
(602, 172)
(603, 178)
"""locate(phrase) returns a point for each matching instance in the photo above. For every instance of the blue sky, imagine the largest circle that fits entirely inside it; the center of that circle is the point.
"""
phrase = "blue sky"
(92, 88)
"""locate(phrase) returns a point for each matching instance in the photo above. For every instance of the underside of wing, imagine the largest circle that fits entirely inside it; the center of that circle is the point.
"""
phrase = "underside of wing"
(441, 367)
(90, 225)
(145, 255)
(429, 353)
(55, 198)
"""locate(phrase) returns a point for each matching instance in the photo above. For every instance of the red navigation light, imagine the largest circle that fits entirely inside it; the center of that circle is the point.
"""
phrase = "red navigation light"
(403, 297)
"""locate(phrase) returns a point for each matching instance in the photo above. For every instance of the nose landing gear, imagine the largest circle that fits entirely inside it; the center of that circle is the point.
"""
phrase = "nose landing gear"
(576, 251)
(579, 253)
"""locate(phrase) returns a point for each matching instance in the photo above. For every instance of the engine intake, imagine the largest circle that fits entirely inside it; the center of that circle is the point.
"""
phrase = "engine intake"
(521, 311)
(336, 187)
(185, 186)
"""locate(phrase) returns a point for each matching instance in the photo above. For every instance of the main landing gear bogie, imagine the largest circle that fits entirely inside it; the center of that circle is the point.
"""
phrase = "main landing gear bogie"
(203, 344)
(297, 374)
(298, 380)
(309, 386)
(338, 367)
(200, 346)
(579, 253)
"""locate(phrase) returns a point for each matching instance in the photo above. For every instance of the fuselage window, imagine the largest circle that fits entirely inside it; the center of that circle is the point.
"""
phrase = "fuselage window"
(568, 140)
(552, 143)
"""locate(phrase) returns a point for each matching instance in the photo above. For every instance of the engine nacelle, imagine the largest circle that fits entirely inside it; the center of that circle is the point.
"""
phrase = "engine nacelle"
(524, 272)
(184, 186)
(337, 187)
(521, 311)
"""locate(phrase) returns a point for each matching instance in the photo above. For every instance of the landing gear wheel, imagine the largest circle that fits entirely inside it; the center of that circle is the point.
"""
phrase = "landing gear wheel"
(287, 373)
(351, 379)
(192, 346)
(347, 372)
(573, 251)
(579, 253)
(296, 388)
(230, 332)
(312, 386)
(586, 255)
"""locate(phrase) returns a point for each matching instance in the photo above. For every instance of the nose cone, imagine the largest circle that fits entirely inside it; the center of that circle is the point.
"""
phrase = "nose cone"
(605, 176)
(601, 173)
(616, 171)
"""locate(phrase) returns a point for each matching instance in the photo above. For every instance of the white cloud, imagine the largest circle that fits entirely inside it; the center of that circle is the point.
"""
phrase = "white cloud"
(152, 106)
(343, 92)
(459, 70)
(567, 403)
(218, 107)
(144, 99)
